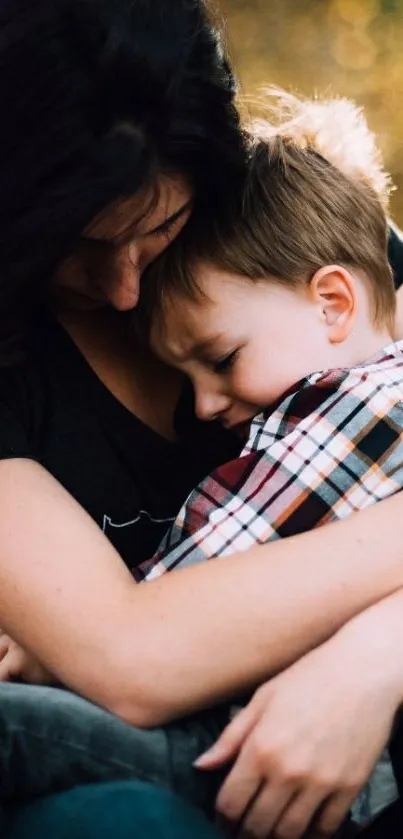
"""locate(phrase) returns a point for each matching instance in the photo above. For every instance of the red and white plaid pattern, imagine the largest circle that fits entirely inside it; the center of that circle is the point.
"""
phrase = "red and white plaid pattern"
(332, 446)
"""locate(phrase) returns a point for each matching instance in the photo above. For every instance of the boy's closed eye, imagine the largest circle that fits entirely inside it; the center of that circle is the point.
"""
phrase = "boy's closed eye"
(224, 364)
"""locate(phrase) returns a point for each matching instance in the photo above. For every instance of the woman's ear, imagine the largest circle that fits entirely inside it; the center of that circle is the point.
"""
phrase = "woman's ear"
(333, 290)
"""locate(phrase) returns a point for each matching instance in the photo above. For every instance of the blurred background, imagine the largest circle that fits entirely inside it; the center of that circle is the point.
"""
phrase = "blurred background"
(350, 48)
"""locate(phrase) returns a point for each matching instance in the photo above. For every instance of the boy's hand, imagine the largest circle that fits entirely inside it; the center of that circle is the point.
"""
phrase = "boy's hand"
(307, 742)
(15, 663)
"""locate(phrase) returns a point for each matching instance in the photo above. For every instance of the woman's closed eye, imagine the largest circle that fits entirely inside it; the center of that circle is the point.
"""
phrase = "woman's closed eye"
(172, 223)
(166, 229)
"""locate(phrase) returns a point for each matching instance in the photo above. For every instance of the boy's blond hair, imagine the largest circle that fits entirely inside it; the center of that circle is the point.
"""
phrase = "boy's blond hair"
(336, 128)
(315, 194)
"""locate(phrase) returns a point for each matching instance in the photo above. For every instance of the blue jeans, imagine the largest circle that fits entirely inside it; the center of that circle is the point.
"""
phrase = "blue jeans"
(115, 810)
(52, 740)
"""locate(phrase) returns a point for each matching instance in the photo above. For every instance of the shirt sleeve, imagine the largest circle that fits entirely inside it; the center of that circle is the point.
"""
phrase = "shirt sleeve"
(15, 415)
(395, 252)
(13, 439)
(328, 450)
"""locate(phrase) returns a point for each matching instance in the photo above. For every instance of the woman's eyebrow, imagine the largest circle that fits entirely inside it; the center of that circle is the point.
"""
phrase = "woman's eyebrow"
(170, 219)
(127, 234)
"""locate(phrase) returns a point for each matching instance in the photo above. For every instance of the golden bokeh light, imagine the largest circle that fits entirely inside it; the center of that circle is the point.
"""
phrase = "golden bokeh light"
(343, 47)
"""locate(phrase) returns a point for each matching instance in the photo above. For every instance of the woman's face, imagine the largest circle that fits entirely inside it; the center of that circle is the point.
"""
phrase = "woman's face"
(118, 245)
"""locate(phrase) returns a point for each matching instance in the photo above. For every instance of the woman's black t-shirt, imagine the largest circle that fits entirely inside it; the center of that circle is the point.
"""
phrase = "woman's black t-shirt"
(132, 482)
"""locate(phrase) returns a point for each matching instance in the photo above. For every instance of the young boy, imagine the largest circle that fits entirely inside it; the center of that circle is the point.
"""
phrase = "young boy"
(282, 315)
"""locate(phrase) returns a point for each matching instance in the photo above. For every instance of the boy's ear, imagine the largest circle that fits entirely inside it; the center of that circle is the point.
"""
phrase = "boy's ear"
(333, 289)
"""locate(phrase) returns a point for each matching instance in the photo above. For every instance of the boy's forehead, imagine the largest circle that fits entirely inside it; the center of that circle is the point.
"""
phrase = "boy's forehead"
(196, 347)
(187, 332)
(192, 327)
(171, 332)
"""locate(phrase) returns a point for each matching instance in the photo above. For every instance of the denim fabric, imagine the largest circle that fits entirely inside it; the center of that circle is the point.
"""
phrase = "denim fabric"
(51, 740)
(115, 810)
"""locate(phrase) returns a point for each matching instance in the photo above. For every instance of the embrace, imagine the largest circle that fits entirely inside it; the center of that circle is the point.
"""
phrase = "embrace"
(201, 358)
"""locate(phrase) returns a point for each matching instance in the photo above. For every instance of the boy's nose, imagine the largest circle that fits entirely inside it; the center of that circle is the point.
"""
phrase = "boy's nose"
(210, 405)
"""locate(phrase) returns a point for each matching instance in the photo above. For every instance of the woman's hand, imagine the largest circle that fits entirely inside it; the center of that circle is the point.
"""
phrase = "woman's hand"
(309, 739)
(16, 663)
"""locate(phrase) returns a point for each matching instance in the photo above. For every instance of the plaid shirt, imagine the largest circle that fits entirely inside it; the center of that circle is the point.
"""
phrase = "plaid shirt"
(333, 445)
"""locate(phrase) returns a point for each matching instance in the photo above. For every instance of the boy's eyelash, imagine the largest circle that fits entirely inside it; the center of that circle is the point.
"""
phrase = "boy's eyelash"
(225, 364)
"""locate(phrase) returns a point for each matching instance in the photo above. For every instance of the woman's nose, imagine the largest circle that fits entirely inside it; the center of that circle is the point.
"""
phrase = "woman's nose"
(144, 249)
(123, 286)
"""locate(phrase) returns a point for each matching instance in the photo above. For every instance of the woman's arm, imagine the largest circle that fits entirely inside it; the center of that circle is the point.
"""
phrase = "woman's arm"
(161, 649)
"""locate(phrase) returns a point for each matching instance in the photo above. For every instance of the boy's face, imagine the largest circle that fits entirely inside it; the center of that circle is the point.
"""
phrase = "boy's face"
(243, 346)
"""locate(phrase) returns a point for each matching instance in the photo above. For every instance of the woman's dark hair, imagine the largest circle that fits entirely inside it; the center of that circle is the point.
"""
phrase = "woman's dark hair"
(97, 96)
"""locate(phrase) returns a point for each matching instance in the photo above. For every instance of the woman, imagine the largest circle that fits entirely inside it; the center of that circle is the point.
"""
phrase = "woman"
(120, 120)
(113, 108)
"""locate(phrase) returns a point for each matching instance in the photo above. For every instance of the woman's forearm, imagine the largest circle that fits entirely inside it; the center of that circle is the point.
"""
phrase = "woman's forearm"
(155, 651)
(374, 638)
(230, 623)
